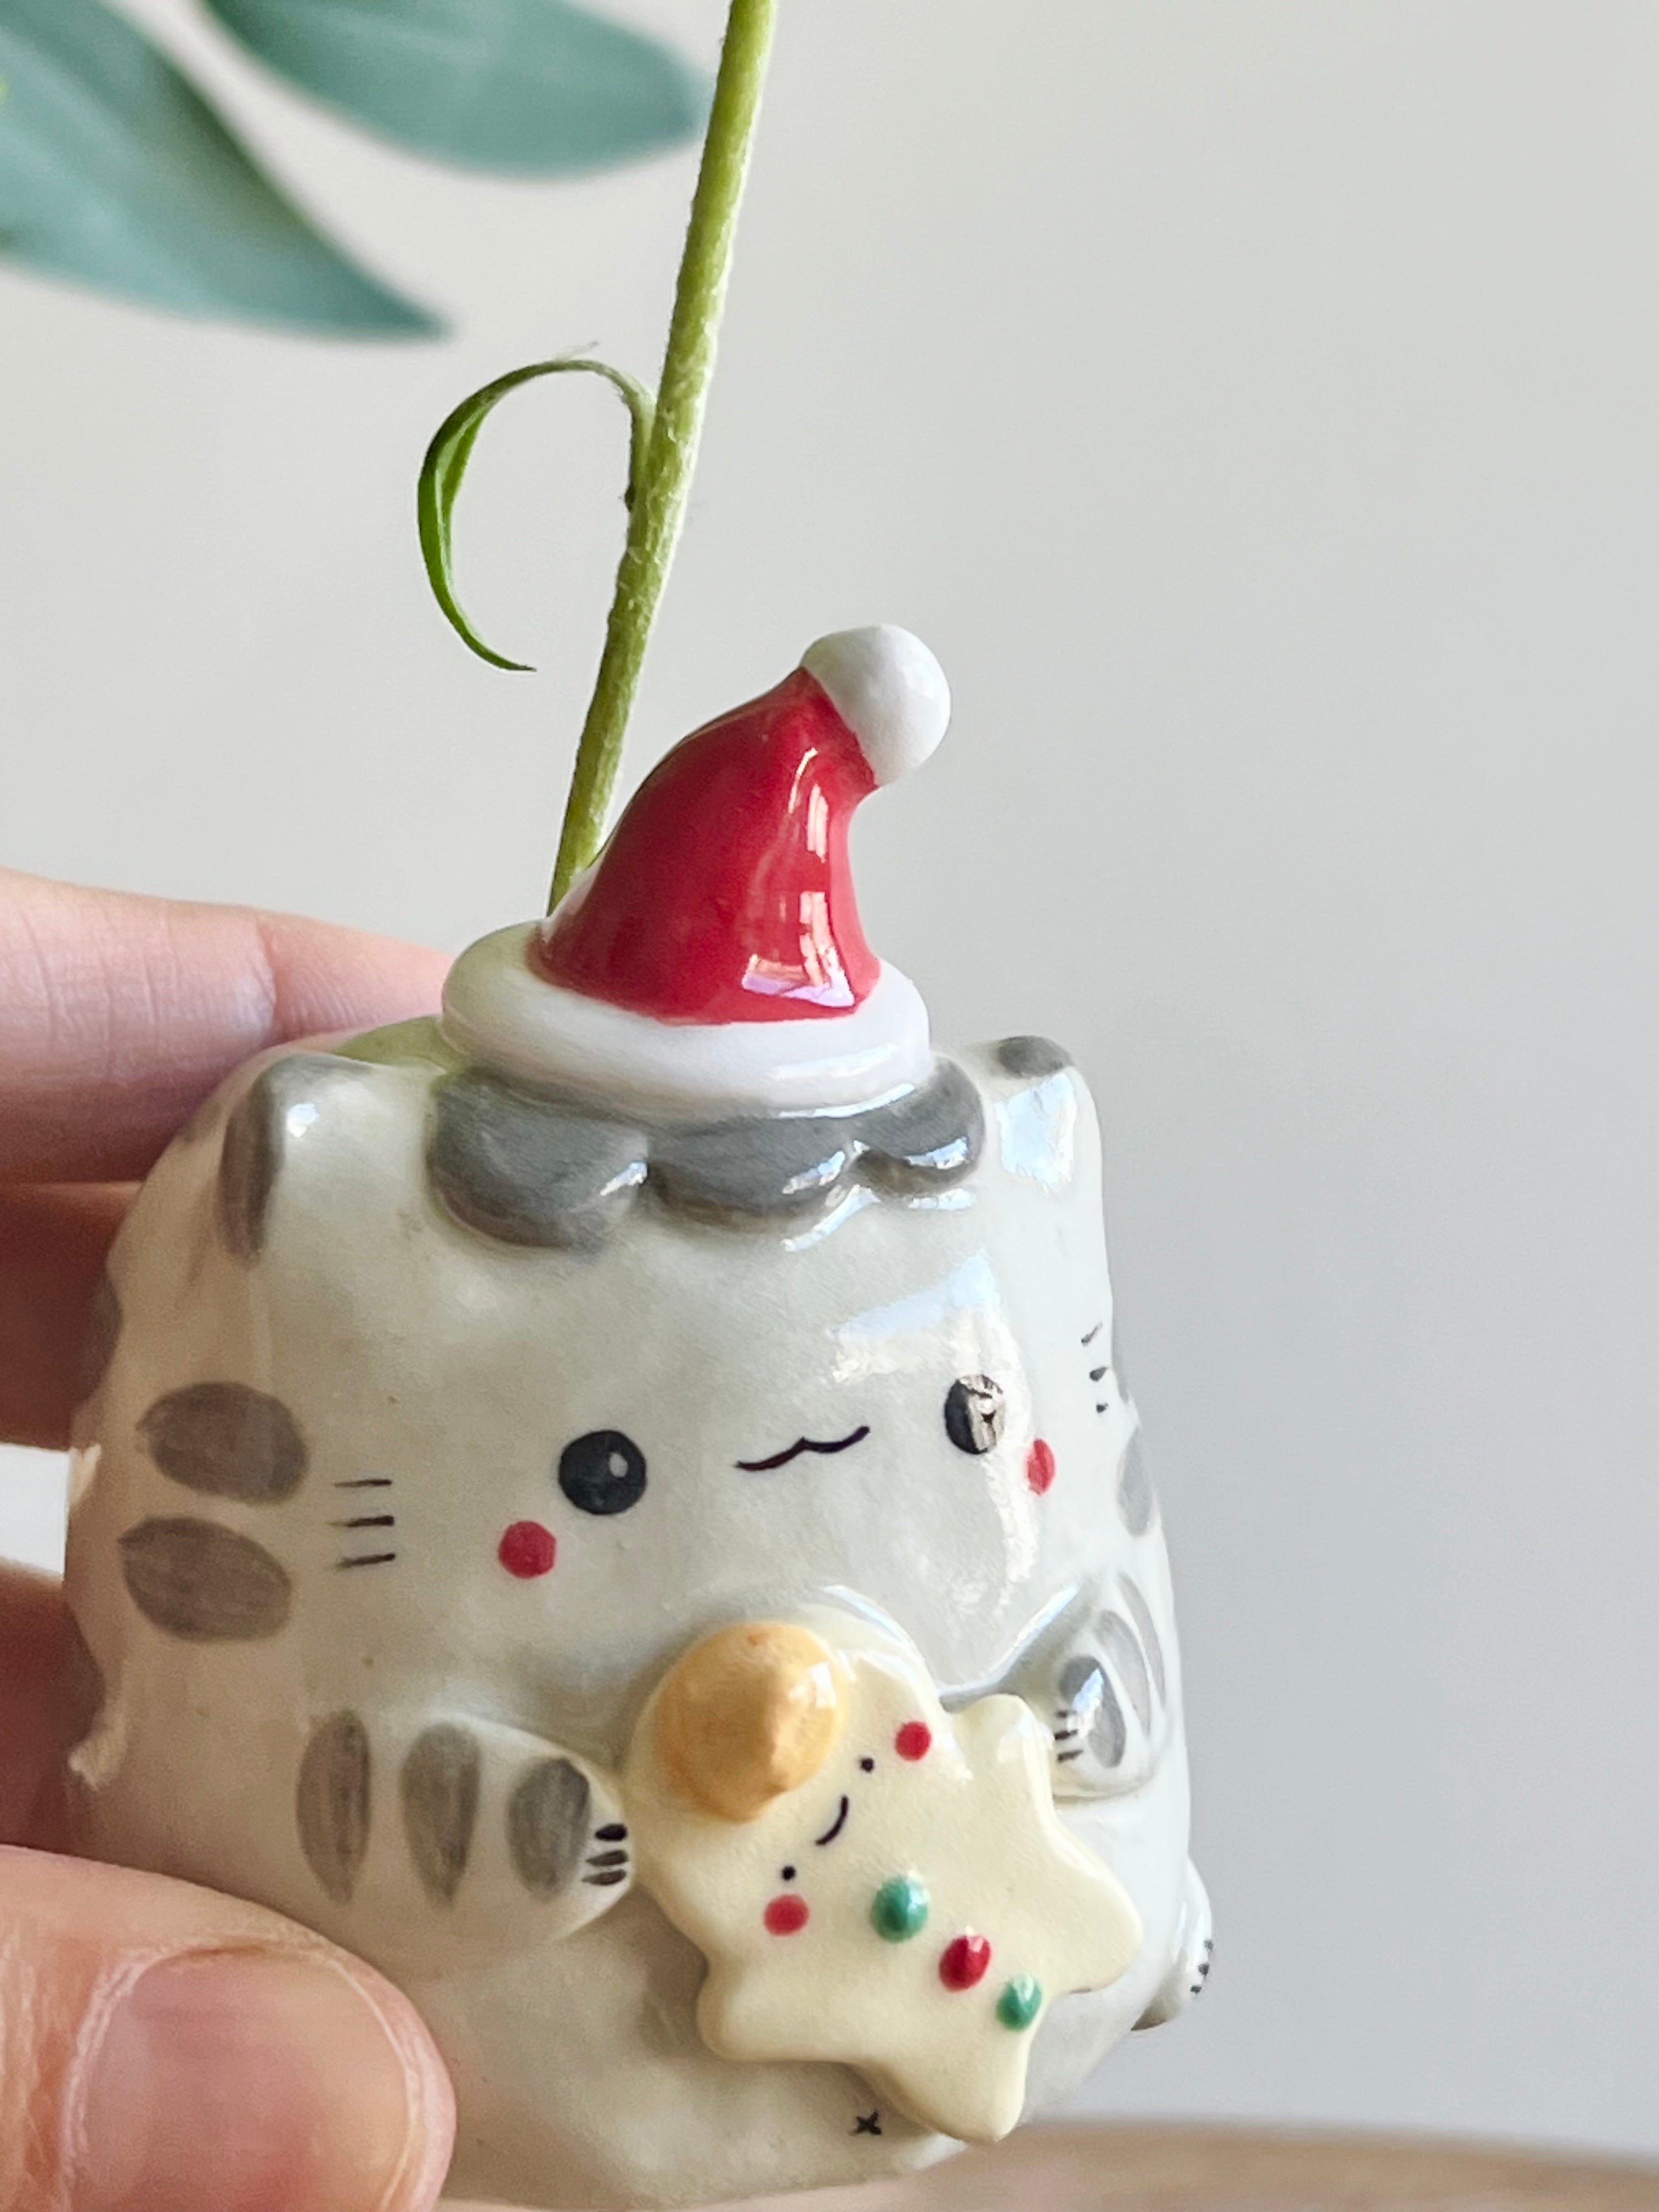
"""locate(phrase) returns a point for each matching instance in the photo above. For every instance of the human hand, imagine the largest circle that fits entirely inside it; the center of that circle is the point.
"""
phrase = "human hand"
(162, 2049)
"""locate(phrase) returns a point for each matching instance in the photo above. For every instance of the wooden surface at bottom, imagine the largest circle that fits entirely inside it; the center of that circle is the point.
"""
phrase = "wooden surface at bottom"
(1076, 2169)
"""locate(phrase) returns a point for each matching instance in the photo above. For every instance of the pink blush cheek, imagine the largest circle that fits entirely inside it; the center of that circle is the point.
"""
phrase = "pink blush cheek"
(1040, 1467)
(527, 1549)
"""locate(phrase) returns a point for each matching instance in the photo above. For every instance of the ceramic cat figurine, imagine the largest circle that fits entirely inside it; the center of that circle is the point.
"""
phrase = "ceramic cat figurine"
(454, 1386)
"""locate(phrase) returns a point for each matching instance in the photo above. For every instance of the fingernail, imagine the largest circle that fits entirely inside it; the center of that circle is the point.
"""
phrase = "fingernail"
(248, 2082)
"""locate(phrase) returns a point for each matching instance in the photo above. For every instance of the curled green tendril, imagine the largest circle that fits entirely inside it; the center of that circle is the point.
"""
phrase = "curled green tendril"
(666, 432)
(444, 469)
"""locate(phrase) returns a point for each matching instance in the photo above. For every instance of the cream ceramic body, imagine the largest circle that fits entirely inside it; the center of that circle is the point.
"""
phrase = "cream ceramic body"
(325, 1692)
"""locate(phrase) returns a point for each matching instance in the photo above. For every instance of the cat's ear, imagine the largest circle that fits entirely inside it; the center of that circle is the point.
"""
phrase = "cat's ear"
(1041, 1119)
(284, 1101)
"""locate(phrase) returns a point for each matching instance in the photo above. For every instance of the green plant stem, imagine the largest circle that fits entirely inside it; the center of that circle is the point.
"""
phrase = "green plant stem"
(658, 510)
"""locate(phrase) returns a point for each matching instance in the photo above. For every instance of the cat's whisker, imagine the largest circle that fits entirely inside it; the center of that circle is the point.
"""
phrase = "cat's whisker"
(1094, 1332)
(367, 1559)
(367, 1521)
(366, 1482)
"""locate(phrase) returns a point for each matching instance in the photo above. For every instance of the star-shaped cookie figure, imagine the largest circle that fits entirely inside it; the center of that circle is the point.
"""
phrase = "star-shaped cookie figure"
(872, 1881)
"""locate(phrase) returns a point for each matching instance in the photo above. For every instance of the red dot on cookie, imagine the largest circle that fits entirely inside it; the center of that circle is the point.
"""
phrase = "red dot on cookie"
(965, 1962)
(1039, 1465)
(787, 1916)
(528, 1550)
(914, 1741)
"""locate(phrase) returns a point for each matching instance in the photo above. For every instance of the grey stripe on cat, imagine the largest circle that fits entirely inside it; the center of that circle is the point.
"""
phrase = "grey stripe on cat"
(1084, 1685)
(98, 1344)
(256, 1135)
(205, 1583)
(226, 1441)
(1109, 1738)
(547, 1825)
(1034, 1058)
(332, 1803)
(526, 1171)
(440, 1790)
(1123, 1652)
(1149, 1639)
(1136, 1500)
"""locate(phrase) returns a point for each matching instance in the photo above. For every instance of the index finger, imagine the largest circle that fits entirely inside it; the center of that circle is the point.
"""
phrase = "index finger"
(119, 1014)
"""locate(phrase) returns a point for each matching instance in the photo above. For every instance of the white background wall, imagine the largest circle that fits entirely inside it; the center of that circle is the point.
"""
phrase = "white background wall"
(1254, 406)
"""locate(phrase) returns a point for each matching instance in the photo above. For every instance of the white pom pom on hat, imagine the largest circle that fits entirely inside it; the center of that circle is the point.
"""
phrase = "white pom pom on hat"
(888, 689)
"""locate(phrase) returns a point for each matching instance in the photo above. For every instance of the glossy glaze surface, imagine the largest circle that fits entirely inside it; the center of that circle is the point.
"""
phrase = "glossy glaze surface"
(388, 1520)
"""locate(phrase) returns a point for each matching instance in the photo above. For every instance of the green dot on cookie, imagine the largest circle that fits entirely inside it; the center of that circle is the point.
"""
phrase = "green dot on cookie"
(900, 1909)
(1020, 2002)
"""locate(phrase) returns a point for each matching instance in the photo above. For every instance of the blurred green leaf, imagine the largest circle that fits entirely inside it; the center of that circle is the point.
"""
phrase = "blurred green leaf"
(537, 85)
(445, 467)
(115, 170)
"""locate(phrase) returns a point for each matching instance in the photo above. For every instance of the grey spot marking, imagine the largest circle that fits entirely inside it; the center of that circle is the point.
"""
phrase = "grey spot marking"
(1084, 1687)
(256, 1135)
(98, 1344)
(226, 1441)
(547, 1826)
(526, 1171)
(931, 1136)
(205, 1583)
(1149, 1637)
(777, 1165)
(1136, 1500)
(332, 1803)
(1123, 1652)
(1035, 1058)
(440, 1790)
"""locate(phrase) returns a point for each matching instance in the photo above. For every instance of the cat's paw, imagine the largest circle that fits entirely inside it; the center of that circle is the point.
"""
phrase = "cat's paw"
(568, 1839)
(1107, 1700)
(1195, 1950)
(431, 1833)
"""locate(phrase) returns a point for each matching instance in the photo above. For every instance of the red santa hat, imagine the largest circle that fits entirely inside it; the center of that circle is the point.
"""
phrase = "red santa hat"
(711, 962)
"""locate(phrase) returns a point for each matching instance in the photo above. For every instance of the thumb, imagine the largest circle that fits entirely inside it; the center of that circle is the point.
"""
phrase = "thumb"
(163, 2048)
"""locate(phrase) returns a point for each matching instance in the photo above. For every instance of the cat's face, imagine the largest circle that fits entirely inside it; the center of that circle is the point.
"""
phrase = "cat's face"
(544, 1471)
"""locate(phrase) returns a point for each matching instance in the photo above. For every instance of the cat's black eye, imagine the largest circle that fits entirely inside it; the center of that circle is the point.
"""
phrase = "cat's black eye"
(973, 1413)
(602, 1472)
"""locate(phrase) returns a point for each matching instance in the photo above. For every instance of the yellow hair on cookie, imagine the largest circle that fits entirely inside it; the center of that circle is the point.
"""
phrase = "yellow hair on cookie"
(751, 1712)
